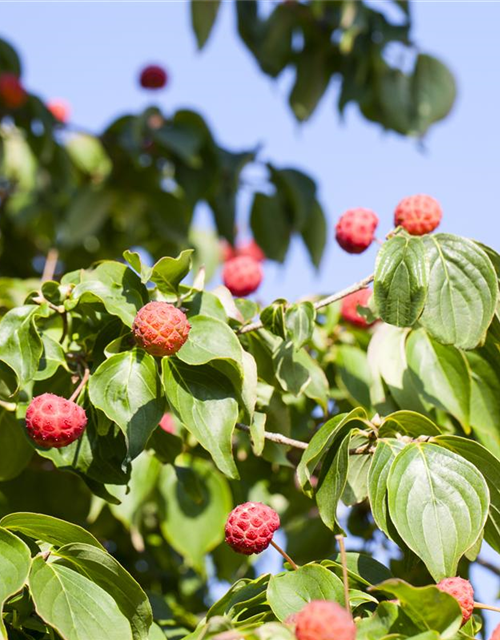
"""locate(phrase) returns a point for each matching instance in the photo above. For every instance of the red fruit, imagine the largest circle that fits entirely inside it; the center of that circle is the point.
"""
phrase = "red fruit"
(12, 92)
(160, 328)
(252, 250)
(60, 109)
(355, 230)
(496, 633)
(250, 527)
(349, 309)
(462, 591)
(418, 214)
(167, 423)
(227, 251)
(242, 275)
(324, 620)
(52, 421)
(153, 77)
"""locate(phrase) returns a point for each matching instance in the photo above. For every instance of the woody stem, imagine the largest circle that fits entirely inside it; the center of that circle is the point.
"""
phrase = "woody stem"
(285, 555)
(83, 382)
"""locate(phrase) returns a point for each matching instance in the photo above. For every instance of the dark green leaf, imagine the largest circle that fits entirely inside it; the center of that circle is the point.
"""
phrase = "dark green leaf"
(203, 15)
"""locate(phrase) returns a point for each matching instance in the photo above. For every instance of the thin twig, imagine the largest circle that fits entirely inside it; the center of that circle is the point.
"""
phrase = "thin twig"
(488, 607)
(285, 555)
(488, 565)
(83, 382)
(345, 576)
(324, 302)
(50, 264)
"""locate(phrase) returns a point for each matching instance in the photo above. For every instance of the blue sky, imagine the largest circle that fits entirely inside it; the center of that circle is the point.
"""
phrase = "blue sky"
(90, 54)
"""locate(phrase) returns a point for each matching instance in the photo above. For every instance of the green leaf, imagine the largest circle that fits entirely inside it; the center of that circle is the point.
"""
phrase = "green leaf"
(242, 595)
(52, 358)
(273, 317)
(271, 227)
(311, 81)
(15, 450)
(290, 372)
(48, 529)
(102, 569)
(15, 562)
(485, 400)
(194, 524)
(362, 569)
(257, 432)
(126, 387)
(203, 15)
(116, 286)
(289, 592)
(87, 213)
(386, 451)
(76, 607)
(428, 607)
(463, 291)
(20, 345)
(298, 190)
(433, 89)
(356, 488)
(205, 402)
(438, 502)
(332, 481)
(441, 375)
(354, 373)
(168, 272)
(489, 465)
(299, 321)
(400, 285)
(408, 423)
(314, 234)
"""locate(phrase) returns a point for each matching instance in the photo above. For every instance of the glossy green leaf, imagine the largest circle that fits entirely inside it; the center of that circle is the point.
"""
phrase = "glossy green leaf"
(485, 400)
(289, 592)
(400, 285)
(408, 423)
(168, 272)
(270, 225)
(315, 233)
(290, 372)
(312, 78)
(126, 387)
(203, 15)
(463, 291)
(15, 562)
(73, 605)
(354, 373)
(52, 358)
(299, 322)
(15, 450)
(434, 91)
(362, 569)
(205, 402)
(438, 502)
(20, 345)
(332, 481)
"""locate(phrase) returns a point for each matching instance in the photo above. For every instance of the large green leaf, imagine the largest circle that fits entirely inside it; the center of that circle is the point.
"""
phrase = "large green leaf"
(362, 569)
(52, 358)
(489, 465)
(332, 480)
(15, 562)
(20, 344)
(193, 521)
(400, 285)
(203, 15)
(408, 423)
(441, 375)
(168, 272)
(126, 387)
(270, 225)
(438, 502)
(48, 529)
(463, 291)
(485, 400)
(289, 592)
(205, 402)
(299, 322)
(354, 373)
(105, 571)
(73, 605)
(15, 449)
(433, 91)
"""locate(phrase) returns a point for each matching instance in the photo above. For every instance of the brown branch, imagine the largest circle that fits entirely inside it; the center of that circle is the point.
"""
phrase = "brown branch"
(488, 565)
(83, 382)
(50, 264)
(324, 302)
(285, 555)
(345, 576)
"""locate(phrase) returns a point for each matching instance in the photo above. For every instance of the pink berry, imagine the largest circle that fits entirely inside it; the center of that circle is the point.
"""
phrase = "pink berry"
(242, 275)
(12, 93)
(324, 620)
(167, 423)
(60, 109)
(462, 591)
(349, 309)
(250, 527)
(355, 230)
(418, 214)
(52, 421)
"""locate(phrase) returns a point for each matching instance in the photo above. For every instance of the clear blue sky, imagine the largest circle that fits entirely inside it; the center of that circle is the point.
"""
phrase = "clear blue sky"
(90, 54)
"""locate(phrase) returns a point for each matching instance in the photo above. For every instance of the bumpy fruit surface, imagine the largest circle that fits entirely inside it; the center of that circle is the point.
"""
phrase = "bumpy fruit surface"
(252, 250)
(462, 591)
(418, 214)
(60, 109)
(153, 77)
(12, 93)
(167, 423)
(496, 633)
(324, 620)
(160, 328)
(250, 527)
(349, 309)
(355, 230)
(52, 421)
(242, 275)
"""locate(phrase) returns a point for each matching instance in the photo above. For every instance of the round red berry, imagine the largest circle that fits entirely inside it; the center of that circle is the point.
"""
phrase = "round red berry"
(418, 214)
(60, 109)
(496, 633)
(355, 230)
(228, 252)
(324, 620)
(462, 591)
(252, 250)
(167, 423)
(242, 275)
(160, 328)
(153, 77)
(12, 92)
(250, 527)
(349, 309)
(52, 421)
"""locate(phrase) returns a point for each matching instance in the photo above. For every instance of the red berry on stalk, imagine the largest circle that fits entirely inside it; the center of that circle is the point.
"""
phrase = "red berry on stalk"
(160, 328)
(242, 275)
(250, 527)
(153, 77)
(167, 423)
(355, 230)
(12, 93)
(462, 591)
(252, 250)
(227, 251)
(349, 309)
(418, 214)
(60, 109)
(52, 421)
(324, 620)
